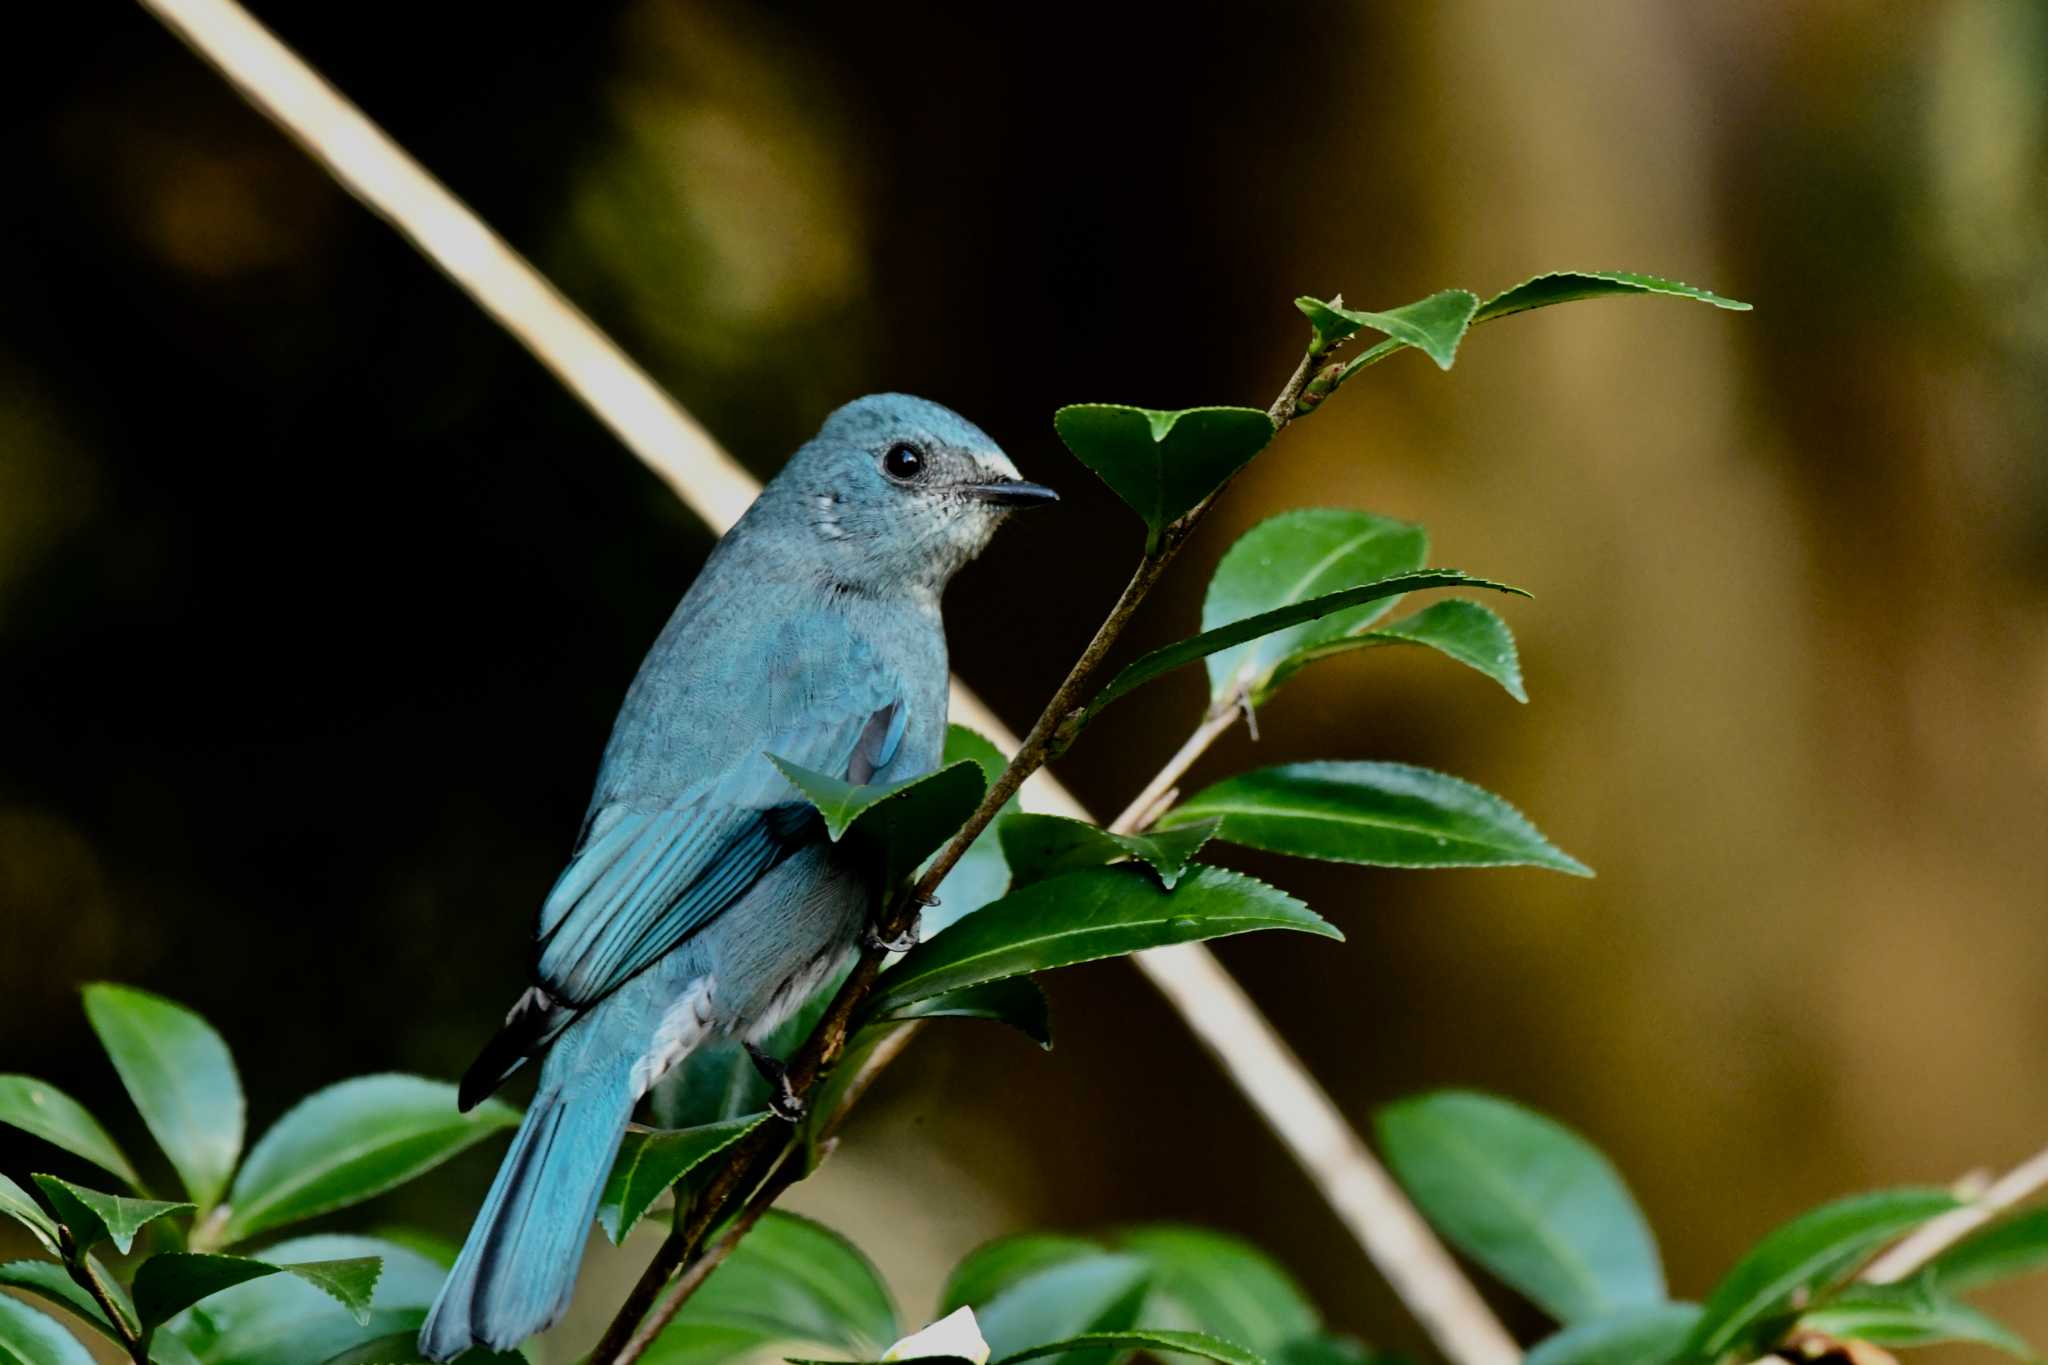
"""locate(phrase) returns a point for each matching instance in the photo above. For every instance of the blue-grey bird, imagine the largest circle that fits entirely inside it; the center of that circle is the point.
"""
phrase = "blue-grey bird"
(703, 900)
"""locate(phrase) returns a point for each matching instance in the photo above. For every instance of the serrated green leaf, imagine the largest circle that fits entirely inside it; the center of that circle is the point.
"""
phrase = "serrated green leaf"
(1564, 286)
(29, 1337)
(92, 1216)
(1539, 292)
(168, 1284)
(1527, 1198)
(1162, 661)
(1295, 557)
(1103, 1292)
(1162, 463)
(42, 1110)
(994, 1266)
(1016, 1001)
(1434, 325)
(2013, 1246)
(981, 875)
(1144, 1339)
(905, 822)
(21, 1206)
(1082, 916)
(789, 1280)
(1803, 1254)
(1910, 1315)
(349, 1142)
(1381, 814)
(1465, 631)
(1041, 846)
(1222, 1286)
(182, 1079)
(648, 1163)
(50, 1281)
(285, 1320)
(1647, 1334)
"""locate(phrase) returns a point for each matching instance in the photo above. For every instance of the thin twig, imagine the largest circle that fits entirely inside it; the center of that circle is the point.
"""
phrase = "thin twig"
(370, 166)
(1937, 1235)
(80, 1267)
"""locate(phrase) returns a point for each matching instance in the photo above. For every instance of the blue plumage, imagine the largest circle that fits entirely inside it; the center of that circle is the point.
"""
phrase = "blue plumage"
(703, 900)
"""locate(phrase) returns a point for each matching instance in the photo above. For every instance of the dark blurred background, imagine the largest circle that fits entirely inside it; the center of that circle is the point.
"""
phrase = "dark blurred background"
(317, 595)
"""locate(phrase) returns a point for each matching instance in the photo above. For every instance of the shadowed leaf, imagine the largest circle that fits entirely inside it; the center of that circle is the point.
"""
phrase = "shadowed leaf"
(1041, 846)
(1647, 1334)
(1162, 463)
(1145, 1339)
(1465, 631)
(994, 1266)
(1016, 1001)
(981, 875)
(905, 821)
(1910, 1315)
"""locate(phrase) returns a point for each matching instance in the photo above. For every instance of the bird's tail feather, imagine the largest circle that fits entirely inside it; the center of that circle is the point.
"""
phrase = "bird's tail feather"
(518, 1268)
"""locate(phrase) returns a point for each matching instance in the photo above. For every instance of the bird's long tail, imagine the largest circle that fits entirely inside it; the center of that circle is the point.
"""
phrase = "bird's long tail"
(518, 1269)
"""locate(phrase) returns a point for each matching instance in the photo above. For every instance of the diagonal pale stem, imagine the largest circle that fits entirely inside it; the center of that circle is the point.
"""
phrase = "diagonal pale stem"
(373, 168)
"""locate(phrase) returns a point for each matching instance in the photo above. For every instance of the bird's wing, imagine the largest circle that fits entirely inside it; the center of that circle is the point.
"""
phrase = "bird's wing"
(649, 873)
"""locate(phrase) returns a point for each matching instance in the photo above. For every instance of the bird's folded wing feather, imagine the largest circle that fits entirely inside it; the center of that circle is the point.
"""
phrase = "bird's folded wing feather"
(649, 872)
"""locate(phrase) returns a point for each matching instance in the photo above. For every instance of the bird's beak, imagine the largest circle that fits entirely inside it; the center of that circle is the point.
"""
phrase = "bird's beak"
(1012, 493)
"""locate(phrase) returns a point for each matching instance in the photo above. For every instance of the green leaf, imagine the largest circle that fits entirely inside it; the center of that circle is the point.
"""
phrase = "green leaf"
(1563, 286)
(1465, 631)
(1296, 557)
(1383, 814)
(905, 821)
(2013, 1246)
(994, 1266)
(793, 1280)
(350, 1141)
(1909, 1315)
(21, 1206)
(1325, 1348)
(650, 1162)
(981, 875)
(168, 1284)
(1082, 916)
(28, 1337)
(1162, 661)
(91, 1215)
(1016, 1001)
(1804, 1253)
(1103, 1292)
(695, 1341)
(181, 1078)
(48, 1280)
(1146, 1339)
(1647, 1334)
(285, 1320)
(1162, 463)
(1527, 1198)
(1434, 325)
(1222, 1286)
(1041, 846)
(44, 1111)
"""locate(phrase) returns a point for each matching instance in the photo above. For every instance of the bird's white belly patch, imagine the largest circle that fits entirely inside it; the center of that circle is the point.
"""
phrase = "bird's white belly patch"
(794, 992)
(681, 1029)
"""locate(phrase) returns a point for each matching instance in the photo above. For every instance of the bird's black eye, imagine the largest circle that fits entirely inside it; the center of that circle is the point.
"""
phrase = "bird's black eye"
(903, 462)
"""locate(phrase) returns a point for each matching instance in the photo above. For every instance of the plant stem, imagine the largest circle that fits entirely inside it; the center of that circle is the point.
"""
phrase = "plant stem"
(85, 1277)
(1937, 1235)
(1151, 803)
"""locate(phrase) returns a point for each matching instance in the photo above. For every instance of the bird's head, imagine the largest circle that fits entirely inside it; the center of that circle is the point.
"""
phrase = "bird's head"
(897, 492)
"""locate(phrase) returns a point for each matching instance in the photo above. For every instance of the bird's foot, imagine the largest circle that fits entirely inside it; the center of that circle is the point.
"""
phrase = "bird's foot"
(871, 937)
(783, 1101)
